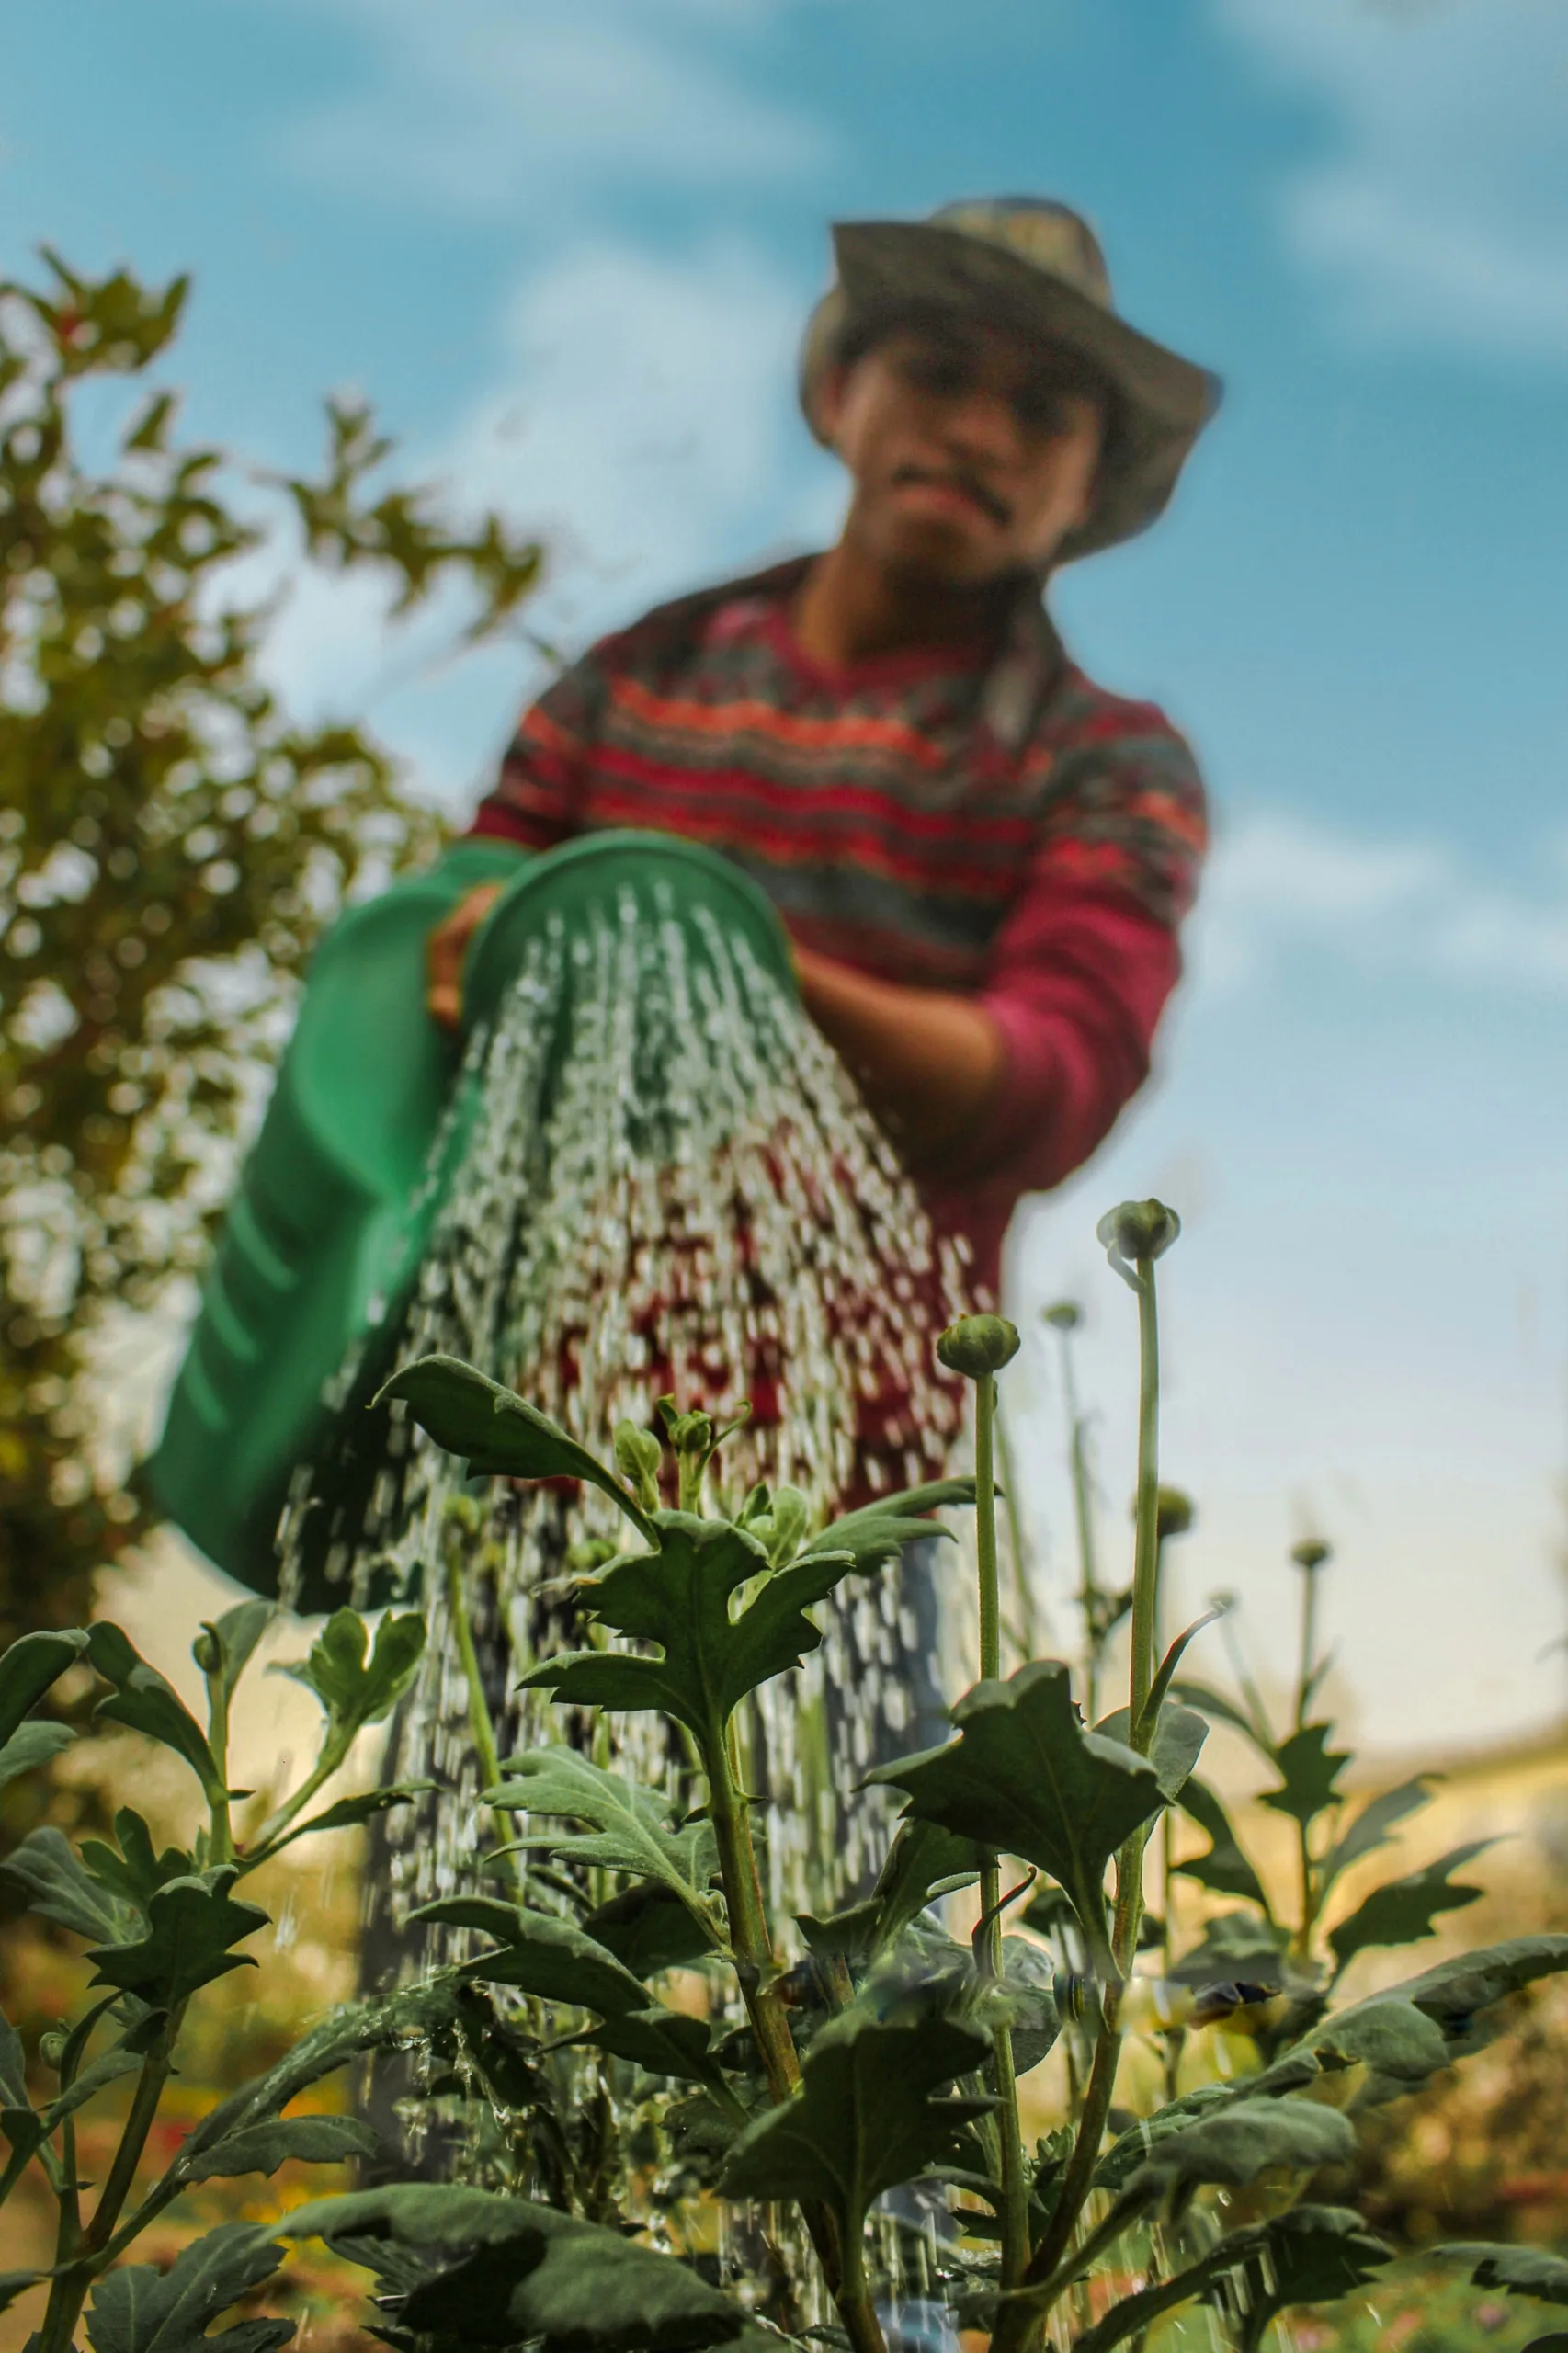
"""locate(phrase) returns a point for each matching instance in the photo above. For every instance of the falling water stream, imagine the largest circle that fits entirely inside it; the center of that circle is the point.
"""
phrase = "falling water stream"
(665, 1182)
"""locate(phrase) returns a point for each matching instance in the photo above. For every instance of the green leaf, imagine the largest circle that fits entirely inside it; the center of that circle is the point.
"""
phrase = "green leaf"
(135, 1872)
(355, 1691)
(142, 2310)
(13, 2066)
(1308, 1771)
(17, 2283)
(631, 1831)
(1392, 2036)
(921, 1857)
(1224, 1868)
(28, 1667)
(1232, 2147)
(1235, 1946)
(192, 1923)
(1455, 1991)
(30, 1746)
(61, 1890)
(1160, 1690)
(143, 1698)
(876, 1535)
(1520, 2270)
(680, 1598)
(303, 2140)
(1402, 1911)
(648, 1929)
(864, 2119)
(223, 1650)
(1027, 2001)
(529, 2273)
(346, 1814)
(1371, 1827)
(550, 1958)
(1223, 1710)
(1024, 1776)
(499, 1433)
(1311, 2255)
(1179, 1735)
(665, 2042)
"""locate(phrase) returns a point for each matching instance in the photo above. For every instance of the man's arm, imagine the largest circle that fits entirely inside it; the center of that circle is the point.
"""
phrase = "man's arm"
(927, 1061)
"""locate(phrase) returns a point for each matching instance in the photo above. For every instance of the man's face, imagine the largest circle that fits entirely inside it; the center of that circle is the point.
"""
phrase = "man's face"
(971, 458)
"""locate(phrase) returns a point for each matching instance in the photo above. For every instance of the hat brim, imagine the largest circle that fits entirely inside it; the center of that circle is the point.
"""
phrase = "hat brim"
(885, 267)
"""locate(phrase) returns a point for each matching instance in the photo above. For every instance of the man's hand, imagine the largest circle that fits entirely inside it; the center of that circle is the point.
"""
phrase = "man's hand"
(927, 1061)
(445, 952)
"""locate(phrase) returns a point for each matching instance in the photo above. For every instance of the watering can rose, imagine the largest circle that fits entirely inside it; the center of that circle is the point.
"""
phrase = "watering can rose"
(978, 1345)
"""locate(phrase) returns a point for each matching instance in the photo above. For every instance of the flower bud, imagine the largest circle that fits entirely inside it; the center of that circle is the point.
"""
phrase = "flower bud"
(1137, 1229)
(978, 1345)
(1312, 1554)
(638, 1457)
(1065, 1317)
(1174, 1513)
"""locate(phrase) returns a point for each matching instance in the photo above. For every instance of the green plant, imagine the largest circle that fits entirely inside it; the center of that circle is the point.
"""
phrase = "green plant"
(633, 2035)
(173, 841)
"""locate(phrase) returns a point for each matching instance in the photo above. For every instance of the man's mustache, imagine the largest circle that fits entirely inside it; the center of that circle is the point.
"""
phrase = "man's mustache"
(960, 478)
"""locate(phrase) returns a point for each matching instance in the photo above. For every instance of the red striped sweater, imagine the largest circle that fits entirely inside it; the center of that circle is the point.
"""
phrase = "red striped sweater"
(991, 822)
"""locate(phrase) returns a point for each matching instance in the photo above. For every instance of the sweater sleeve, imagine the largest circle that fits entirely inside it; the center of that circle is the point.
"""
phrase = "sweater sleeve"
(537, 797)
(1084, 961)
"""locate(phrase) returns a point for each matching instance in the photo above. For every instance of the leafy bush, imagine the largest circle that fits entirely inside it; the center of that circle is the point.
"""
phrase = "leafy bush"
(887, 2055)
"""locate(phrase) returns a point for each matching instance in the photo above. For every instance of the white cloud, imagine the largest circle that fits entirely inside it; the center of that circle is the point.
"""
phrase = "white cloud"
(478, 104)
(1440, 211)
(1279, 880)
(640, 419)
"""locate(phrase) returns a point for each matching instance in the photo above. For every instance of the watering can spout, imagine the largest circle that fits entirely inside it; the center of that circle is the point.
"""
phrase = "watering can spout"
(341, 1193)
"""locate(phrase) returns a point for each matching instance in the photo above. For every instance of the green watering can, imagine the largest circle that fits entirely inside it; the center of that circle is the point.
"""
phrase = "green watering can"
(337, 1200)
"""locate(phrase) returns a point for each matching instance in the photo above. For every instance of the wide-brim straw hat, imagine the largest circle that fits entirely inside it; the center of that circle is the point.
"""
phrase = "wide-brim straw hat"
(1036, 268)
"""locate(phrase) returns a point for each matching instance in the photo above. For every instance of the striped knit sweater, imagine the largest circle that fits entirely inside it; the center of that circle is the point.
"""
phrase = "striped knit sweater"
(988, 821)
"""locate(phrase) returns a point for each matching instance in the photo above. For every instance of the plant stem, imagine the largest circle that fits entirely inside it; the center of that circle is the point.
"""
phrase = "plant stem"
(68, 2290)
(1030, 1632)
(479, 1717)
(1146, 1555)
(1309, 1642)
(221, 1835)
(1015, 2187)
(1083, 1512)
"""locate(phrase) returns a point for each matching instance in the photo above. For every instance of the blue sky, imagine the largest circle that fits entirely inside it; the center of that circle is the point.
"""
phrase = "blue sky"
(568, 252)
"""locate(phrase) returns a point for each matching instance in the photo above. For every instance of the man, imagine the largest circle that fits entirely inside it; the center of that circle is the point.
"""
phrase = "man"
(980, 856)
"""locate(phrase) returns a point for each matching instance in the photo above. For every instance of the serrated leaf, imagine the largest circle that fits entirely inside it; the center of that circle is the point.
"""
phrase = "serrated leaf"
(550, 1958)
(135, 1872)
(1404, 1910)
(631, 1831)
(921, 1856)
(533, 2275)
(1311, 2255)
(28, 1668)
(1231, 2147)
(1519, 2270)
(149, 1704)
(61, 1890)
(1179, 1735)
(1235, 1945)
(1025, 1776)
(1309, 1771)
(498, 1433)
(1225, 1868)
(680, 1598)
(302, 2140)
(32, 1745)
(140, 2308)
(864, 2120)
(1371, 1827)
(355, 1691)
(192, 1923)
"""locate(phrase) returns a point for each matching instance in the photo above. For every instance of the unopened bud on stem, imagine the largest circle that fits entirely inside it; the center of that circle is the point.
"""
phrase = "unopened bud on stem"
(1312, 1554)
(978, 1345)
(1136, 1234)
